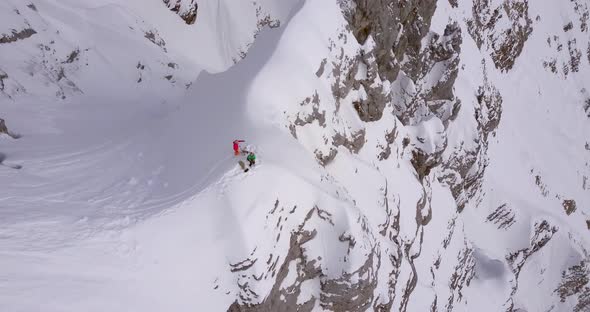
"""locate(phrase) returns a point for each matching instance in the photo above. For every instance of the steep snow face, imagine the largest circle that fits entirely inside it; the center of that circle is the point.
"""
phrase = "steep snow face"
(431, 156)
(64, 48)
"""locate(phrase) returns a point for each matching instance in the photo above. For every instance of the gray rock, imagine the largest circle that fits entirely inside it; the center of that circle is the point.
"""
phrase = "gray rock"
(188, 12)
(17, 35)
(504, 39)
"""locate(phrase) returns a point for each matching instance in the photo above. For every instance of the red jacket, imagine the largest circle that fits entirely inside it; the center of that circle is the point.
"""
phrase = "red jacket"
(237, 144)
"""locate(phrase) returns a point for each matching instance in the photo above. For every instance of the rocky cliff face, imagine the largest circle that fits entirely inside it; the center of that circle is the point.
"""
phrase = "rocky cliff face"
(389, 95)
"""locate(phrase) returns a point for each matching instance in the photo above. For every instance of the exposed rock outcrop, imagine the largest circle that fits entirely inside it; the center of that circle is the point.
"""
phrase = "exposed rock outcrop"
(542, 233)
(4, 129)
(186, 9)
(575, 284)
(463, 166)
(569, 205)
(502, 30)
(504, 217)
(3, 76)
(17, 35)
(154, 37)
(353, 291)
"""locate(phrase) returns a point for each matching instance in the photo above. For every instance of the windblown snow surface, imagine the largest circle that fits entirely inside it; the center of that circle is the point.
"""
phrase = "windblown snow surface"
(411, 155)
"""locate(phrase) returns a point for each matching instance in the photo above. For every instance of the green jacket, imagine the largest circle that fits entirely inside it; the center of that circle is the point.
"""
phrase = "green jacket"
(251, 157)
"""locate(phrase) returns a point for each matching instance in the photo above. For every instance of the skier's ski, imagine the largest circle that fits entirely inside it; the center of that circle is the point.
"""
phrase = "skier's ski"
(243, 166)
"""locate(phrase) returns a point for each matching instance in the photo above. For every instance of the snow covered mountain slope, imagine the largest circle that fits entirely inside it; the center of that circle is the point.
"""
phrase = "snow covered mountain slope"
(66, 48)
(412, 156)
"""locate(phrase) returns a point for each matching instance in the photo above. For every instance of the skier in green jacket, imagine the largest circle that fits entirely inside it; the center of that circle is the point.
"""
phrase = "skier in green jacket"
(251, 159)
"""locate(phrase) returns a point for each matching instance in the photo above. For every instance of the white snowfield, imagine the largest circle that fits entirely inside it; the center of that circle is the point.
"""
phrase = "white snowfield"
(130, 198)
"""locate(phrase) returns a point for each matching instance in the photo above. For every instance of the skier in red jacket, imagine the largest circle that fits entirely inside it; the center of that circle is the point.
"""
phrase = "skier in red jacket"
(237, 147)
